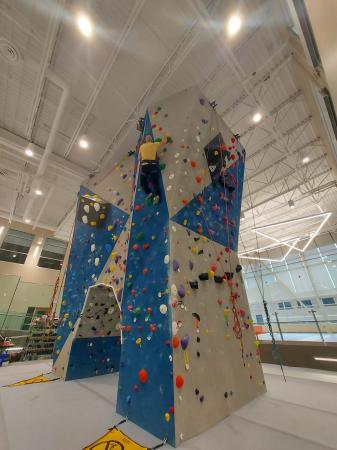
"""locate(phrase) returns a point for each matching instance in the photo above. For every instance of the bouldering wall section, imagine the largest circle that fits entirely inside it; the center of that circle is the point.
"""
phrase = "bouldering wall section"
(98, 226)
(189, 353)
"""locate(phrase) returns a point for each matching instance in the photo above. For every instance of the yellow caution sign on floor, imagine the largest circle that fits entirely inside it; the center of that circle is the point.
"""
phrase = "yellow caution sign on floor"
(114, 439)
(38, 379)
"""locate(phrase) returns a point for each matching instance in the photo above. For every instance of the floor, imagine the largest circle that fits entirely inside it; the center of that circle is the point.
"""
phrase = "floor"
(300, 414)
(310, 337)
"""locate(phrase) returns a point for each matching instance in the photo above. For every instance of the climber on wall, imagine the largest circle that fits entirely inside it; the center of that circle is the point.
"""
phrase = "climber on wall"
(149, 167)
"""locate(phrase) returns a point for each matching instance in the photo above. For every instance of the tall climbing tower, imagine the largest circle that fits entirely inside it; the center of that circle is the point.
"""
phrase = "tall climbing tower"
(189, 356)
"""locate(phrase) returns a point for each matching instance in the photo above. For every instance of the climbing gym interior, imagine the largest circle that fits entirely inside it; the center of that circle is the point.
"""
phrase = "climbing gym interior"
(168, 228)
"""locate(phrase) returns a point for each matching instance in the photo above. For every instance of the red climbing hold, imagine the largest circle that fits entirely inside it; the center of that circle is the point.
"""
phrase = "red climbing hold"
(138, 207)
(179, 381)
(233, 140)
(175, 341)
(136, 247)
(142, 375)
(171, 410)
(145, 271)
(146, 246)
(193, 164)
(198, 179)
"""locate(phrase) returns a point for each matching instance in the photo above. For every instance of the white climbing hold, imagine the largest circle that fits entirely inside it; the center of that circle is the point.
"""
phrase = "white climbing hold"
(169, 188)
(97, 206)
(177, 155)
(171, 176)
(86, 208)
(96, 262)
(93, 247)
(84, 219)
(163, 309)
(174, 228)
(174, 290)
(167, 259)
(198, 138)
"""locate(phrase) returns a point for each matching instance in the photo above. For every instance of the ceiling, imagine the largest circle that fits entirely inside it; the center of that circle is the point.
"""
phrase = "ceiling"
(140, 51)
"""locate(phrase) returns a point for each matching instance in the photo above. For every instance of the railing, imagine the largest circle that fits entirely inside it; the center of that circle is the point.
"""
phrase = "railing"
(313, 330)
(16, 321)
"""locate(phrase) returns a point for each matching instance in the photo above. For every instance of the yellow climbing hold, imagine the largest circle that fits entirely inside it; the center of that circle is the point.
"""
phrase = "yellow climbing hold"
(93, 223)
(70, 324)
(211, 274)
(139, 341)
(109, 227)
(185, 222)
(102, 216)
(66, 315)
(257, 343)
(195, 250)
(167, 417)
(112, 268)
(113, 254)
(114, 237)
(197, 213)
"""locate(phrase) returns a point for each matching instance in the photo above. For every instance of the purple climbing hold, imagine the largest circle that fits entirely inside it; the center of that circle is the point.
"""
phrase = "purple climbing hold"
(190, 265)
(202, 101)
(175, 265)
(181, 292)
(184, 342)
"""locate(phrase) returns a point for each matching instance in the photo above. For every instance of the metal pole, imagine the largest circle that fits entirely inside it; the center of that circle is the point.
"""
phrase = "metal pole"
(279, 326)
(317, 325)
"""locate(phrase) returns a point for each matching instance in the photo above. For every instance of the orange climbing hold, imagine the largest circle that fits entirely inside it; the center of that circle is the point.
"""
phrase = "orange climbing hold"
(193, 164)
(198, 179)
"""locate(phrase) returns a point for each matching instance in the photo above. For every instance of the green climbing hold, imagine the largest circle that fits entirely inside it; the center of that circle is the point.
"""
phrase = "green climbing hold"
(158, 140)
(162, 166)
(139, 236)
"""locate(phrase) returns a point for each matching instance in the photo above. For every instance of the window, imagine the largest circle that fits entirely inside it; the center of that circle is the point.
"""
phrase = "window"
(15, 246)
(259, 318)
(284, 305)
(328, 301)
(306, 303)
(52, 254)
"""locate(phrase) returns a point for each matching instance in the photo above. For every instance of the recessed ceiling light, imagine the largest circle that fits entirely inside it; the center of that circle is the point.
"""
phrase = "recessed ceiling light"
(84, 25)
(38, 192)
(234, 24)
(29, 152)
(291, 204)
(27, 220)
(305, 160)
(83, 142)
(14, 255)
(257, 117)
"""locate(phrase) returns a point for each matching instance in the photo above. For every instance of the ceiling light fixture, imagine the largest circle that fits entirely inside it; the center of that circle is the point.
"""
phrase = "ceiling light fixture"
(29, 152)
(291, 204)
(257, 117)
(83, 142)
(324, 216)
(84, 24)
(234, 24)
(27, 220)
(38, 192)
(245, 255)
(305, 160)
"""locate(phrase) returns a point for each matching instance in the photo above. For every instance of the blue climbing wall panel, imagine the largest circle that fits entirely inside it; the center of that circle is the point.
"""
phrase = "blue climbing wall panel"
(146, 332)
(219, 210)
(91, 247)
(90, 357)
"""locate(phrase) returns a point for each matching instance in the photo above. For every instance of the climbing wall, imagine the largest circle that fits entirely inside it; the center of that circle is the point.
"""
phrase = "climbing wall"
(189, 352)
(94, 345)
(98, 227)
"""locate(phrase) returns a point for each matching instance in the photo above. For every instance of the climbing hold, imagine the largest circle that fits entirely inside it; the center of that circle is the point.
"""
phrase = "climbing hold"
(136, 247)
(194, 284)
(179, 381)
(203, 276)
(175, 265)
(193, 164)
(167, 417)
(198, 179)
(184, 342)
(166, 259)
(181, 292)
(163, 308)
(142, 376)
(175, 341)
